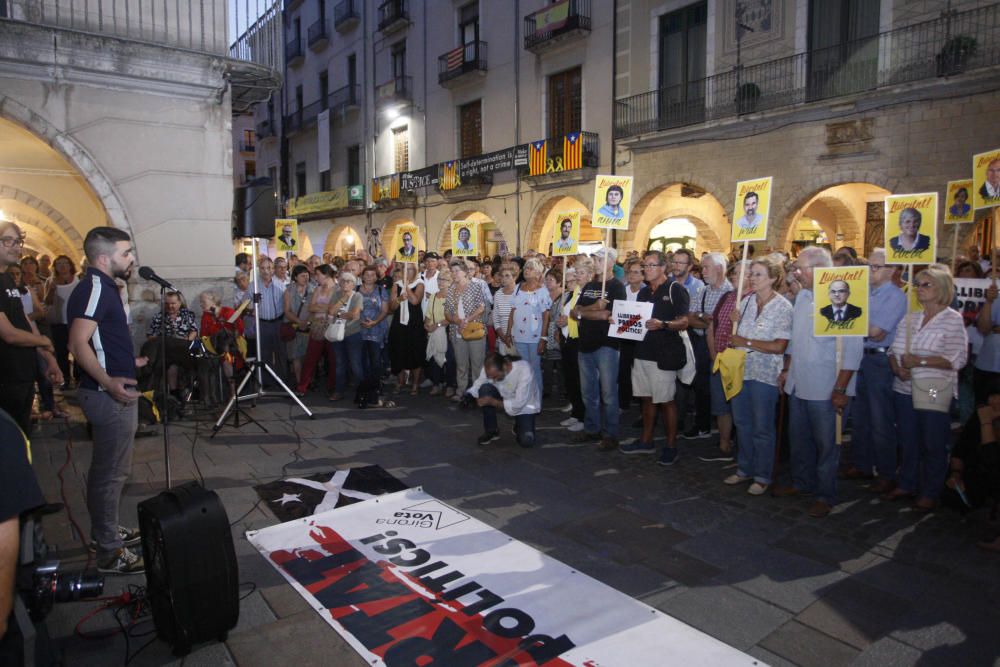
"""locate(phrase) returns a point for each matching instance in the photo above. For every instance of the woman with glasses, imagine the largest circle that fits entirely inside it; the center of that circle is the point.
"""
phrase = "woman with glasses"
(927, 364)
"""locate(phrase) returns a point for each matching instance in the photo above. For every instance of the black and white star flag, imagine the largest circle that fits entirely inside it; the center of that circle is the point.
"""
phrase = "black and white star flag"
(298, 497)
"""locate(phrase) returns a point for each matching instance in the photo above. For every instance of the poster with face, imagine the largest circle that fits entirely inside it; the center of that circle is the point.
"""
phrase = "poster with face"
(566, 235)
(957, 205)
(407, 243)
(463, 238)
(753, 202)
(911, 228)
(986, 179)
(612, 201)
(286, 235)
(841, 307)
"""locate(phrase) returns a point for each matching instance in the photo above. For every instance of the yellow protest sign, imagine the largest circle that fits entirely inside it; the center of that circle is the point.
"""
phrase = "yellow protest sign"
(911, 228)
(286, 235)
(464, 238)
(986, 179)
(612, 200)
(841, 301)
(753, 203)
(566, 234)
(407, 243)
(957, 201)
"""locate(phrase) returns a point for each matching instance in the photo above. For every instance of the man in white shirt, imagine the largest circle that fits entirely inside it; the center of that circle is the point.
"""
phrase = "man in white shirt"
(508, 383)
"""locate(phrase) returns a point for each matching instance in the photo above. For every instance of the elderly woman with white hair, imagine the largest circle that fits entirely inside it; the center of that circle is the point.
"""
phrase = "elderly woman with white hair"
(529, 317)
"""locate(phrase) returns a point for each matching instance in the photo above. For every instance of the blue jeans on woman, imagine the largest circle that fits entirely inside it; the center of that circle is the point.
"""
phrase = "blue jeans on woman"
(754, 418)
(371, 362)
(524, 425)
(529, 352)
(349, 351)
(924, 443)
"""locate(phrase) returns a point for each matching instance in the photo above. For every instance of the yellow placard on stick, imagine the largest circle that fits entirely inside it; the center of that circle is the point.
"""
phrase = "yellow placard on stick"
(566, 235)
(407, 243)
(753, 203)
(986, 179)
(612, 202)
(841, 301)
(911, 228)
(464, 238)
(957, 206)
(286, 235)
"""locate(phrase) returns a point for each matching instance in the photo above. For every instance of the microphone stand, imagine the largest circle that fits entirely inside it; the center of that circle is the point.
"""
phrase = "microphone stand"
(165, 416)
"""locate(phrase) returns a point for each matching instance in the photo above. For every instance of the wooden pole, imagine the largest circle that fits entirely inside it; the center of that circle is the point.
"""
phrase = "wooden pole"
(739, 287)
(604, 268)
(954, 249)
(994, 218)
(839, 422)
(909, 295)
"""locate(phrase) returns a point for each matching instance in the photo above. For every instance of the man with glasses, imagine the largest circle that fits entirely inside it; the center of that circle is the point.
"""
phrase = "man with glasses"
(839, 309)
(873, 432)
(22, 343)
(690, 396)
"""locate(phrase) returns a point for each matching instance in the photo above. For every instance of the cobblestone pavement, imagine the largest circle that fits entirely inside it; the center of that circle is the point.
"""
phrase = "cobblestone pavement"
(872, 584)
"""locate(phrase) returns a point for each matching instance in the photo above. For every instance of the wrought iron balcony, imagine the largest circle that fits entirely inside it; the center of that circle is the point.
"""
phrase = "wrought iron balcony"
(393, 15)
(346, 98)
(396, 89)
(560, 157)
(556, 23)
(346, 15)
(319, 35)
(947, 46)
(468, 58)
(293, 52)
(247, 147)
(301, 119)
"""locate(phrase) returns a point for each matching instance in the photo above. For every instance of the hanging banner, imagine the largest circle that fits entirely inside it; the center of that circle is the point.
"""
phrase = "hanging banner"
(286, 235)
(405, 576)
(911, 228)
(566, 235)
(464, 238)
(841, 301)
(957, 201)
(986, 179)
(422, 178)
(407, 243)
(323, 141)
(628, 319)
(612, 201)
(753, 198)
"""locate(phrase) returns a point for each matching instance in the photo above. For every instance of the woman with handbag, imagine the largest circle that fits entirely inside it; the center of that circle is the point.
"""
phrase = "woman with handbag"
(319, 320)
(294, 330)
(347, 345)
(374, 311)
(407, 336)
(528, 321)
(436, 327)
(464, 309)
(929, 349)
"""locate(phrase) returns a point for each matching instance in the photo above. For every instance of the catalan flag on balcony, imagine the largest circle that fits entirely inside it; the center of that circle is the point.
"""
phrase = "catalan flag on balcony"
(537, 157)
(385, 187)
(450, 178)
(573, 151)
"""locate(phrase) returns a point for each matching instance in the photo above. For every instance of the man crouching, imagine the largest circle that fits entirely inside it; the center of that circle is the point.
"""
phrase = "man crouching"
(507, 382)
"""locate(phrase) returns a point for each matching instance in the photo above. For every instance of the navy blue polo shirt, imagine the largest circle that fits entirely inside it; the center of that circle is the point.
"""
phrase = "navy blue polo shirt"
(96, 298)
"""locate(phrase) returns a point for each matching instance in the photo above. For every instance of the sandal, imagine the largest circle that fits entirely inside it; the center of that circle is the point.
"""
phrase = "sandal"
(415, 391)
(925, 505)
(896, 494)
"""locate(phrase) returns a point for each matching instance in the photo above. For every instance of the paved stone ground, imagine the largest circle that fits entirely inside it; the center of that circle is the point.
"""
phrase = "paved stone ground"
(872, 584)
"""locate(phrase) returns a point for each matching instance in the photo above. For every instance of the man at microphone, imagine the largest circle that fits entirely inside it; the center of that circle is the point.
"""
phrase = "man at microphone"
(101, 344)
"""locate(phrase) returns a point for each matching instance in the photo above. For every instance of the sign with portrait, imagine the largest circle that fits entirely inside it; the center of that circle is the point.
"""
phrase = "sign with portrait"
(957, 206)
(286, 235)
(406, 243)
(911, 228)
(753, 203)
(612, 201)
(986, 179)
(628, 319)
(566, 234)
(841, 301)
(464, 238)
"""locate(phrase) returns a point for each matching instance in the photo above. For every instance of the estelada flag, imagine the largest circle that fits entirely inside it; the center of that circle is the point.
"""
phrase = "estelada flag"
(537, 157)
(573, 151)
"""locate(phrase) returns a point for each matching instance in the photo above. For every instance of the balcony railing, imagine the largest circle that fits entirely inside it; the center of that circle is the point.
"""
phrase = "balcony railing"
(345, 98)
(470, 57)
(304, 117)
(396, 89)
(346, 15)
(319, 34)
(393, 15)
(558, 161)
(264, 129)
(941, 47)
(555, 21)
(293, 52)
(247, 148)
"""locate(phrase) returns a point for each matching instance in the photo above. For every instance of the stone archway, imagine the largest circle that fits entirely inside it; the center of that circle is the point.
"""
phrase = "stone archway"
(678, 200)
(388, 233)
(339, 241)
(57, 231)
(486, 224)
(545, 216)
(839, 210)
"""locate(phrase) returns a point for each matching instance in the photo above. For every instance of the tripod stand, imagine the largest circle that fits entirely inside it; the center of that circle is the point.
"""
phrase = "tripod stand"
(256, 367)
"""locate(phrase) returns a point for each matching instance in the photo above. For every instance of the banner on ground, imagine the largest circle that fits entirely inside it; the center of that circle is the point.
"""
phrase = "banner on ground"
(911, 228)
(405, 576)
(753, 198)
(566, 235)
(986, 179)
(298, 497)
(286, 235)
(958, 209)
(612, 202)
(841, 301)
(628, 319)
(407, 243)
(464, 238)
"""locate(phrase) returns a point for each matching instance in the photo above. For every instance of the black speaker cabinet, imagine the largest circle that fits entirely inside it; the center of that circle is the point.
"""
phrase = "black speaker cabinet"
(254, 209)
(192, 578)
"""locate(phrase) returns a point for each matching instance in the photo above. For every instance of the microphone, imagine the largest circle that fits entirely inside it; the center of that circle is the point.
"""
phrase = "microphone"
(147, 273)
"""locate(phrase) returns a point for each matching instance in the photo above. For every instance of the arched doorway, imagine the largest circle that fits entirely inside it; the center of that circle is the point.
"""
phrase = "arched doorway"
(548, 215)
(343, 241)
(388, 234)
(850, 214)
(673, 234)
(490, 236)
(687, 205)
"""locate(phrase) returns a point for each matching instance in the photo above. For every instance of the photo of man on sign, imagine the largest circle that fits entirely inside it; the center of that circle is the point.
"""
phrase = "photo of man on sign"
(911, 228)
(841, 295)
(566, 233)
(286, 235)
(986, 179)
(753, 199)
(407, 243)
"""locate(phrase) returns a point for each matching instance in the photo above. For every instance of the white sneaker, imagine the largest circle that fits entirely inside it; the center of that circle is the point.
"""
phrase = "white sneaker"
(736, 479)
(757, 489)
(566, 408)
(568, 422)
(575, 428)
(426, 383)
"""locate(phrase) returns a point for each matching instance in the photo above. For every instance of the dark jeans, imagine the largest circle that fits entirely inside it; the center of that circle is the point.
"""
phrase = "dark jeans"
(626, 355)
(524, 425)
(15, 400)
(60, 341)
(371, 363)
(701, 386)
(45, 395)
(348, 352)
(924, 441)
(273, 351)
(571, 376)
(451, 368)
(873, 419)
